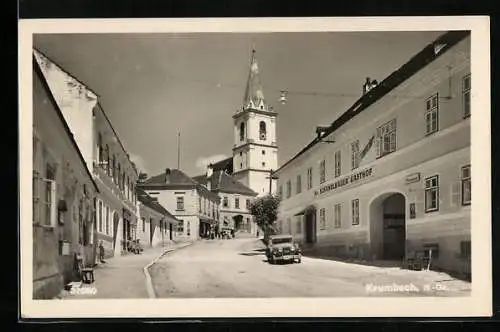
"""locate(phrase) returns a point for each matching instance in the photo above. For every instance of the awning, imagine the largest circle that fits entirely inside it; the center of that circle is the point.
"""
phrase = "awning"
(310, 208)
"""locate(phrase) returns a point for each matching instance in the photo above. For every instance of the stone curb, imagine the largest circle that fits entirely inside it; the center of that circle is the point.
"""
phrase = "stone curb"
(149, 282)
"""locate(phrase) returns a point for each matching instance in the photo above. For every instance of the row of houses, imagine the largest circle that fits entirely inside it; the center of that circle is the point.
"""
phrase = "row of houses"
(85, 188)
(87, 191)
(391, 177)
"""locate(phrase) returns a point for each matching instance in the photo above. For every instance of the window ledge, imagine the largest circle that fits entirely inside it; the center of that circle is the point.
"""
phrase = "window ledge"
(431, 211)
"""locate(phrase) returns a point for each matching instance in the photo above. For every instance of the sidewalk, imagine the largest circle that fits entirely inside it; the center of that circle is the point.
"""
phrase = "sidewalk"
(121, 277)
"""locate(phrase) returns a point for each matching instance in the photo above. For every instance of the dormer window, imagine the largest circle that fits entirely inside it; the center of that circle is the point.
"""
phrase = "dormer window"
(262, 131)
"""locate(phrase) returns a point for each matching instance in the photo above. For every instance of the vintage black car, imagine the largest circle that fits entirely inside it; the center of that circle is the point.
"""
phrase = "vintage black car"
(282, 248)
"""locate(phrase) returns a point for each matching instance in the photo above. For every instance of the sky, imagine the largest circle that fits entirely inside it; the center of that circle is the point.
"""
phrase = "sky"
(154, 86)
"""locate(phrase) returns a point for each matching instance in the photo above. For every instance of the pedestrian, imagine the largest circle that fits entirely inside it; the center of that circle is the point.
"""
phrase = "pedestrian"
(101, 252)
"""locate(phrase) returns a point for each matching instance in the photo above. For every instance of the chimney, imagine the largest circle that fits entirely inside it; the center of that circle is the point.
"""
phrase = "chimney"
(210, 170)
(369, 84)
(167, 175)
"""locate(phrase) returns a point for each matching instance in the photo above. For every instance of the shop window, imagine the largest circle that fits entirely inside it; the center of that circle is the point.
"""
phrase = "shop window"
(355, 211)
(432, 114)
(432, 193)
(466, 88)
(466, 185)
(337, 216)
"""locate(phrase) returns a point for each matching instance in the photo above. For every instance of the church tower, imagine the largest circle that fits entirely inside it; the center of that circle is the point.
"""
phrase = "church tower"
(255, 151)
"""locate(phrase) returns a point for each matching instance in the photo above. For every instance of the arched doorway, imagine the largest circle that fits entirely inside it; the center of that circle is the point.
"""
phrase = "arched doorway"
(239, 224)
(388, 226)
(310, 225)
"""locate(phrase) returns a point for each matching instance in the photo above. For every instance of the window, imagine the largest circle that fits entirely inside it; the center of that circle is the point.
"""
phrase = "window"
(263, 152)
(338, 163)
(355, 154)
(431, 114)
(466, 95)
(337, 216)
(262, 131)
(280, 190)
(123, 183)
(242, 131)
(322, 219)
(432, 193)
(100, 154)
(386, 138)
(322, 171)
(180, 226)
(199, 204)
(248, 204)
(108, 165)
(355, 211)
(113, 169)
(237, 203)
(188, 228)
(225, 202)
(298, 229)
(180, 203)
(100, 220)
(263, 164)
(107, 220)
(143, 224)
(288, 189)
(309, 178)
(466, 185)
(48, 202)
(299, 184)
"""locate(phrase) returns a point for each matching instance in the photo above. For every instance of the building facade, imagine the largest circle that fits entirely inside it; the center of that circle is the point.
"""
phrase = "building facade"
(396, 180)
(235, 199)
(63, 196)
(157, 226)
(255, 151)
(195, 207)
(112, 169)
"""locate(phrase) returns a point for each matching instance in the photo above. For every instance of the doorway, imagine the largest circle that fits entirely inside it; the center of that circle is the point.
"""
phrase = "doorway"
(170, 230)
(310, 226)
(388, 226)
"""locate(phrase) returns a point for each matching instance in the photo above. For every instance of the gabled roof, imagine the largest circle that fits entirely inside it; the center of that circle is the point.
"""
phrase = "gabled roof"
(148, 201)
(220, 181)
(225, 164)
(175, 179)
(45, 84)
(416, 63)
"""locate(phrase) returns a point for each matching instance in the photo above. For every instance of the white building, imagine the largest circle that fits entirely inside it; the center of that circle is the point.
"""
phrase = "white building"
(396, 180)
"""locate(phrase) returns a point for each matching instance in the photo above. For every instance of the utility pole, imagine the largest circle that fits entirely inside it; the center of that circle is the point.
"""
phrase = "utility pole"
(178, 151)
(271, 178)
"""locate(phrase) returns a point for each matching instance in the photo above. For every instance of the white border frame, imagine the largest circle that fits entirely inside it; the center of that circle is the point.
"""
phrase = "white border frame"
(478, 304)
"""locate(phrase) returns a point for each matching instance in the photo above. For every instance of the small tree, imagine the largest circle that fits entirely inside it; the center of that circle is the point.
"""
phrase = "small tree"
(265, 213)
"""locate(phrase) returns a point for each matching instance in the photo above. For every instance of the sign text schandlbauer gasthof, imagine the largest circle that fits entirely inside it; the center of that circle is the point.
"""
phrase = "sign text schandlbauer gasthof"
(344, 181)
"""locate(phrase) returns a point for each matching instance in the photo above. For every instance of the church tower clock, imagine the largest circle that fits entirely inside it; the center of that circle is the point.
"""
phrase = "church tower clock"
(255, 151)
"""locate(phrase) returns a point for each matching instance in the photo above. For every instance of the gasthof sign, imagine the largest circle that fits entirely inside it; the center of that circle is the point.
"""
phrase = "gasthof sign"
(345, 181)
